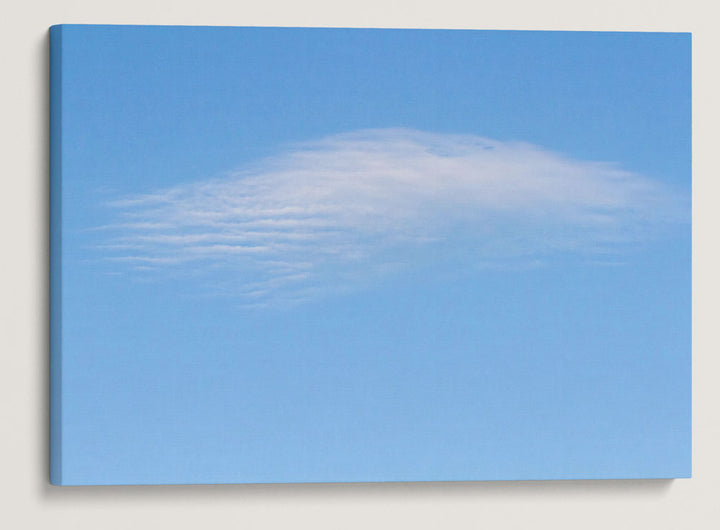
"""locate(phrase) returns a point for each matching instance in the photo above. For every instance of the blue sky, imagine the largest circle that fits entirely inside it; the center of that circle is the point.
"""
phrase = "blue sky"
(366, 255)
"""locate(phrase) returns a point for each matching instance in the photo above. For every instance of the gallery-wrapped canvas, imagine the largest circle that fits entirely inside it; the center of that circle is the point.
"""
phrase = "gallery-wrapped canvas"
(351, 255)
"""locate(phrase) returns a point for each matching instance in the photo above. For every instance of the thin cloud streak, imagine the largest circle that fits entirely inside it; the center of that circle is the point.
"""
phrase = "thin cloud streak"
(351, 207)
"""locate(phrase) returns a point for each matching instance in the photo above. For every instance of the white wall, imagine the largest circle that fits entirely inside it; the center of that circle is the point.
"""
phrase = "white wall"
(26, 499)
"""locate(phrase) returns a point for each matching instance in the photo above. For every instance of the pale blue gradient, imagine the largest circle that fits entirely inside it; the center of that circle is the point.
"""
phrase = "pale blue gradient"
(550, 368)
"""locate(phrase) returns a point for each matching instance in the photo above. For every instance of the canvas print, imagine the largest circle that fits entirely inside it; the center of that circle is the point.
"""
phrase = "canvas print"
(352, 255)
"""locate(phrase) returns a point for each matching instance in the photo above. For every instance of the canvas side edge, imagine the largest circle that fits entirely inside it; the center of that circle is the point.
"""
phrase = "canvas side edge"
(56, 255)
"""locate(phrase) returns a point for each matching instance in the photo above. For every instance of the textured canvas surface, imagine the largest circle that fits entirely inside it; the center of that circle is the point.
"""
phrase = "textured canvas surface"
(320, 255)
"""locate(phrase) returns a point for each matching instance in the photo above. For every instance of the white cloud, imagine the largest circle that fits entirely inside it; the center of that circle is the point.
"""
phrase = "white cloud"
(332, 214)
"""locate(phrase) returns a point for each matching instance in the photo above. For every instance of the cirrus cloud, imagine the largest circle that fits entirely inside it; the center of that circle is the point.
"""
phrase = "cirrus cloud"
(333, 214)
